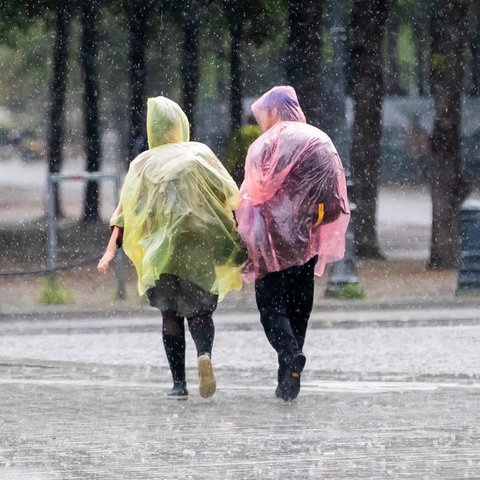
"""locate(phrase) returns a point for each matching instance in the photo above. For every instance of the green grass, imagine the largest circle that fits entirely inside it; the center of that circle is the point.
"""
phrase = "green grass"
(54, 294)
(350, 291)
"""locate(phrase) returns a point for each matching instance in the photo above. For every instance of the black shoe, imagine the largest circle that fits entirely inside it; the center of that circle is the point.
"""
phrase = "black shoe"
(179, 390)
(278, 392)
(281, 372)
(290, 386)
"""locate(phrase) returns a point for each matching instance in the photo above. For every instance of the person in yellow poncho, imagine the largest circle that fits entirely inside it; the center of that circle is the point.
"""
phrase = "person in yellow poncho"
(175, 222)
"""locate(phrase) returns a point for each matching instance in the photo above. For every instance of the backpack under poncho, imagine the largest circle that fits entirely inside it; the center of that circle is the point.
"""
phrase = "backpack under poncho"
(291, 169)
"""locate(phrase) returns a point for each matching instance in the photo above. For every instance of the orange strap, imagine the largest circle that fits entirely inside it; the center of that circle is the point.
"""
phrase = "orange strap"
(321, 213)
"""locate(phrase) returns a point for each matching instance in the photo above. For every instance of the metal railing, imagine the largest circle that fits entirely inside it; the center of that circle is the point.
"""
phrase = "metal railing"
(52, 244)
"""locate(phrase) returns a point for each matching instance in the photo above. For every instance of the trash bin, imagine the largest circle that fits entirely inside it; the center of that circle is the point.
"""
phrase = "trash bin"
(469, 268)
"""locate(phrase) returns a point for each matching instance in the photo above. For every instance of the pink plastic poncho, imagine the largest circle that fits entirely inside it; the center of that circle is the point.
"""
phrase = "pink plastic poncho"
(289, 170)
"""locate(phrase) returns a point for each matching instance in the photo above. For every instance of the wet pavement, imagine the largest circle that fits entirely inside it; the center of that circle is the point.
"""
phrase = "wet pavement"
(391, 387)
(85, 399)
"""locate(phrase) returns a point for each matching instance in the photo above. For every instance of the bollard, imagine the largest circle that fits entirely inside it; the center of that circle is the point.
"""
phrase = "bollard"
(343, 272)
(469, 268)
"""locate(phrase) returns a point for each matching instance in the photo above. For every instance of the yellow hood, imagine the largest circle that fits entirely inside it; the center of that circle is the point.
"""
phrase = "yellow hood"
(166, 123)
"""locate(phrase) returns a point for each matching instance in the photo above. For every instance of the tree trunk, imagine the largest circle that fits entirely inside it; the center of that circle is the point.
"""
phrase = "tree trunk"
(421, 43)
(337, 120)
(138, 27)
(89, 55)
(58, 91)
(368, 27)
(190, 60)
(449, 187)
(304, 51)
(235, 12)
(474, 45)
(392, 74)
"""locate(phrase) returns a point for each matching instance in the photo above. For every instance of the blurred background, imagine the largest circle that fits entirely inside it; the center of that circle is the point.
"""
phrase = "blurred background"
(395, 83)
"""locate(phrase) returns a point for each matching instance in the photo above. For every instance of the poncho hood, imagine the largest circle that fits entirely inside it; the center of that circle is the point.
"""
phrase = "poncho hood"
(166, 122)
(282, 103)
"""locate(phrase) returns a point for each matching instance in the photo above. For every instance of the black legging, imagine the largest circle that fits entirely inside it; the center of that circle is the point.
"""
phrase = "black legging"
(202, 330)
(285, 301)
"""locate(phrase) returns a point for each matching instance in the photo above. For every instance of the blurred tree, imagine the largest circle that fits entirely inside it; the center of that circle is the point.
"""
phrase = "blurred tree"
(25, 55)
(251, 23)
(55, 135)
(235, 13)
(304, 47)
(139, 14)
(448, 185)
(189, 13)
(407, 47)
(142, 15)
(474, 45)
(392, 62)
(89, 59)
(242, 55)
(421, 19)
(190, 62)
(257, 31)
(336, 126)
(367, 29)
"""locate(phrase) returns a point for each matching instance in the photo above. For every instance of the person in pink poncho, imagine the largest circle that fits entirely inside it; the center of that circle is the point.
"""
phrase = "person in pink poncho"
(293, 216)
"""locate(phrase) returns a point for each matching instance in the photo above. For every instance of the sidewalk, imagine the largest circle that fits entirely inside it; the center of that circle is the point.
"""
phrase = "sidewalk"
(87, 400)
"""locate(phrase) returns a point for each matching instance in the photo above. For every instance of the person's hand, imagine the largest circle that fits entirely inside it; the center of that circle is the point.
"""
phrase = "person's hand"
(104, 262)
(109, 254)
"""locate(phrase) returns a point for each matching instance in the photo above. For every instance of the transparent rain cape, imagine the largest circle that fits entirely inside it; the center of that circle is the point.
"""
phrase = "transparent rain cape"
(291, 169)
(176, 209)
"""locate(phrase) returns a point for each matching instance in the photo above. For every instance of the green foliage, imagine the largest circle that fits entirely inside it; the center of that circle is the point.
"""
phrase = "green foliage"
(349, 291)
(406, 56)
(19, 15)
(438, 62)
(164, 58)
(28, 31)
(54, 294)
(264, 32)
(267, 18)
(25, 63)
(237, 150)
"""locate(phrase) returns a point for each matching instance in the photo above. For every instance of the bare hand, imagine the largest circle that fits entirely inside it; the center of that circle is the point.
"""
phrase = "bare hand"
(104, 262)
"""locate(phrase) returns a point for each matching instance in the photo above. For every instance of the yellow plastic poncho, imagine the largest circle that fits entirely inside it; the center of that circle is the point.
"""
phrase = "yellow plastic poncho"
(176, 208)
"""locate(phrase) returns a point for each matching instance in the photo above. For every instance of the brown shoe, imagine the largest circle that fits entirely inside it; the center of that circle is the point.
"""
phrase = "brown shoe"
(207, 385)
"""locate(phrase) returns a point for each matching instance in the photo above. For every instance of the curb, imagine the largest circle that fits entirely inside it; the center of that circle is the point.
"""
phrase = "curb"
(342, 316)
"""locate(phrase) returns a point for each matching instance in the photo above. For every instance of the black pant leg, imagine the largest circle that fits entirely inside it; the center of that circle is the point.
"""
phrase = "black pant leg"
(270, 294)
(173, 333)
(300, 293)
(202, 330)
